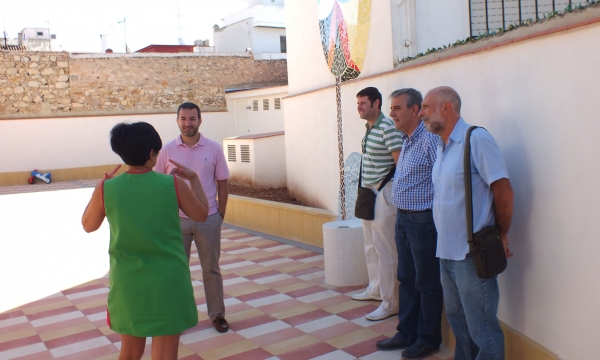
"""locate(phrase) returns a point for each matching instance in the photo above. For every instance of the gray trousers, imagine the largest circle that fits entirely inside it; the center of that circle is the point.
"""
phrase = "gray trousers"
(207, 236)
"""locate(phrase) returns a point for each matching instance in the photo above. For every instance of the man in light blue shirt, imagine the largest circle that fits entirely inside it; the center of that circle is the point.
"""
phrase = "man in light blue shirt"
(471, 302)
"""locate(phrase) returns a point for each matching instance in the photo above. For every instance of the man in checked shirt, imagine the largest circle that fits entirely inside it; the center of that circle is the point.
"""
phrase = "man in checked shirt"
(420, 315)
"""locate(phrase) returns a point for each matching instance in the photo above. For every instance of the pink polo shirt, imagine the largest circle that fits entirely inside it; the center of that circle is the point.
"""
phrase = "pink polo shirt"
(206, 159)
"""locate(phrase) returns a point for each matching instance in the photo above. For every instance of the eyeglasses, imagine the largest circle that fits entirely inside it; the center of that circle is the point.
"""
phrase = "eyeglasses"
(364, 145)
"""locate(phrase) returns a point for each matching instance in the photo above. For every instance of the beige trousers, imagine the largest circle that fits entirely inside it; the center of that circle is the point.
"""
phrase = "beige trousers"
(380, 249)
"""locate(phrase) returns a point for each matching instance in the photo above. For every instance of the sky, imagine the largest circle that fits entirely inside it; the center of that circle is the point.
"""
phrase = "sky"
(79, 23)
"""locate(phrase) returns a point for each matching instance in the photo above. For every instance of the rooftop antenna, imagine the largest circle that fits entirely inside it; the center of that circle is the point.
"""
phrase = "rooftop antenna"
(49, 35)
(124, 31)
(179, 26)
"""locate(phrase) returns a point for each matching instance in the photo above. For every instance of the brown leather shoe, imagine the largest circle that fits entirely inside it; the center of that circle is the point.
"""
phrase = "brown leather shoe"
(220, 324)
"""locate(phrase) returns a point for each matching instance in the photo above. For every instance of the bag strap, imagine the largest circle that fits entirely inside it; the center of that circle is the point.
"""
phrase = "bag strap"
(468, 189)
(387, 178)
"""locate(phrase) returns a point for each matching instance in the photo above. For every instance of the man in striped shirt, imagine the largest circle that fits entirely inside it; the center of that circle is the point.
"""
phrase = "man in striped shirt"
(381, 147)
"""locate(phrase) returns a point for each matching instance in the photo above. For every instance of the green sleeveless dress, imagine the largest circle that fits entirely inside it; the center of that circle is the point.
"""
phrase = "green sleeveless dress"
(150, 285)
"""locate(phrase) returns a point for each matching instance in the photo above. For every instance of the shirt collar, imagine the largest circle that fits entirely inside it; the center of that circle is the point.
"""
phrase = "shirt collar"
(458, 133)
(416, 134)
(201, 141)
(379, 119)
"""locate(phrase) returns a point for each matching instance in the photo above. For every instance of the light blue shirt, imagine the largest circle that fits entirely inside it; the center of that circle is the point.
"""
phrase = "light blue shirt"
(487, 166)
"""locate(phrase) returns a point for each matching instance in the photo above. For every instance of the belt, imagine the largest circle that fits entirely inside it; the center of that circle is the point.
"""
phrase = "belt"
(412, 212)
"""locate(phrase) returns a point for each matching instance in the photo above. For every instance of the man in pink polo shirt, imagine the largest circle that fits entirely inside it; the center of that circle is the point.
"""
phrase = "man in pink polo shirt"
(206, 158)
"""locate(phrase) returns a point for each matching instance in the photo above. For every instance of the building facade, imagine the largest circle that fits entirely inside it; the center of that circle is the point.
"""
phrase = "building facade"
(259, 28)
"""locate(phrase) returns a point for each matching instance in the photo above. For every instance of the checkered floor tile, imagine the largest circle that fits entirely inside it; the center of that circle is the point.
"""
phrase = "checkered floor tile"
(277, 304)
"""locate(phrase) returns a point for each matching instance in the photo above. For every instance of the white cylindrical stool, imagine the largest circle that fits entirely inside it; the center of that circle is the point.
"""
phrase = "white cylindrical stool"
(344, 250)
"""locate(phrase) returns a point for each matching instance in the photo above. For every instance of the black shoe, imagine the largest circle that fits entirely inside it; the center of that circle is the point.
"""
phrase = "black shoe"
(392, 344)
(417, 351)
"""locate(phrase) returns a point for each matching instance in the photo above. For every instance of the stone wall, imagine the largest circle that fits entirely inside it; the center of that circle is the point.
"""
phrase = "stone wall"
(50, 84)
(34, 82)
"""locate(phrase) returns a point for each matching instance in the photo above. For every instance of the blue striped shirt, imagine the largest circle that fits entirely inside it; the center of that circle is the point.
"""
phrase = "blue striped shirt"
(413, 188)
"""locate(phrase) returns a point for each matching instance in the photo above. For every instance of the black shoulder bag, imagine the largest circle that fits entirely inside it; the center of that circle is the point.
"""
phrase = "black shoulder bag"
(365, 197)
(486, 245)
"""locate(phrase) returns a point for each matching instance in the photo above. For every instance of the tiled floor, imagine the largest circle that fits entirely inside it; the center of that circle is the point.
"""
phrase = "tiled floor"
(277, 302)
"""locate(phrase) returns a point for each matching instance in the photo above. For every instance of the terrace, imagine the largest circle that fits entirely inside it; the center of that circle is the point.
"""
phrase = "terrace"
(278, 305)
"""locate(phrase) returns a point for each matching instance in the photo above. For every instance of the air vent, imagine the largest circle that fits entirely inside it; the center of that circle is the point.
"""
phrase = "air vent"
(231, 153)
(277, 103)
(265, 104)
(254, 105)
(245, 153)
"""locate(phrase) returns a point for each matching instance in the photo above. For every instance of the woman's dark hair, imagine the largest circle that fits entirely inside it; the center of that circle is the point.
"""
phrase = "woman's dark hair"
(133, 142)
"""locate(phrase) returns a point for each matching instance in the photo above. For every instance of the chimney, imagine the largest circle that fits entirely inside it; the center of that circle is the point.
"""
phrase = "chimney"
(103, 39)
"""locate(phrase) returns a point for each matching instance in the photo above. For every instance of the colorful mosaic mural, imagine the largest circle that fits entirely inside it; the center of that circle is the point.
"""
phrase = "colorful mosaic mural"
(344, 26)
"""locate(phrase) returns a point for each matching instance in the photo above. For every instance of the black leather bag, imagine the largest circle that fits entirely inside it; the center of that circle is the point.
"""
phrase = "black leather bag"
(365, 197)
(485, 245)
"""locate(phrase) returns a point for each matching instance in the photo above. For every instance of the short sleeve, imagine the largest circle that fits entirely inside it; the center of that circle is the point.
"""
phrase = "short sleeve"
(392, 138)
(161, 162)
(221, 169)
(487, 157)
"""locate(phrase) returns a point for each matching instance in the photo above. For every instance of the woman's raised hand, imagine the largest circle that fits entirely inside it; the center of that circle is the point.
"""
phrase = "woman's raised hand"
(182, 171)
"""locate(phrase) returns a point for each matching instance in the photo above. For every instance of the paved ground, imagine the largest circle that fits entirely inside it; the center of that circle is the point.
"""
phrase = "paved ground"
(277, 302)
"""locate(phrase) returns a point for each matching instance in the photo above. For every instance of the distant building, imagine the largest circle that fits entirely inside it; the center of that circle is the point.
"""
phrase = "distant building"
(36, 39)
(167, 49)
(259, 28)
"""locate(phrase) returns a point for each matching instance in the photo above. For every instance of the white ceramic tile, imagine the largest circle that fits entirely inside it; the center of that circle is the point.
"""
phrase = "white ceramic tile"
(57, 318)
(23, 351)
(242, 251)
(79, 346)
(233, 281)
(198, 336)
(83, 294)
(318, 296)
(268, 300)
(263, 329)
(277, 248)
(311, 276)
(272, 278)
(276, 262)
(336, 355)
(312, 258)
(13, 321)
(322, 323)
(237, 265)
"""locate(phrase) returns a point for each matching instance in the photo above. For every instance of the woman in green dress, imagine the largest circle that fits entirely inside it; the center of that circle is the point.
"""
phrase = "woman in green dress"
(150, 293)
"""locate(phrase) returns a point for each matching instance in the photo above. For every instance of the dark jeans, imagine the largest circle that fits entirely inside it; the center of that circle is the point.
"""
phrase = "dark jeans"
(421, 296)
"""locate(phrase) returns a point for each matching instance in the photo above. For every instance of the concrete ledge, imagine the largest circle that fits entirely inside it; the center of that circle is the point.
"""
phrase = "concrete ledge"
(293, 222)
(73, 174)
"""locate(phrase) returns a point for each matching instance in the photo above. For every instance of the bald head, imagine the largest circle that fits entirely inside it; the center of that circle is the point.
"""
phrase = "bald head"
(440, 111)
(446, 94)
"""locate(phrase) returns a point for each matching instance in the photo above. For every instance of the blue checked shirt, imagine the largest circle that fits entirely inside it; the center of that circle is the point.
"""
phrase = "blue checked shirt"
(413, 188)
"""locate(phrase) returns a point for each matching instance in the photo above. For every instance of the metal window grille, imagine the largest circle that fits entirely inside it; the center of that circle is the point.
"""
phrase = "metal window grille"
(277, 102)
(254, 105)
(491, 15)
(245, 153)
(231, 155)
(265, 104)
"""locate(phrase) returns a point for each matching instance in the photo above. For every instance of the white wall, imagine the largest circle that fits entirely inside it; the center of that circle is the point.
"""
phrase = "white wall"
(541, 111)
(269, 160)
(266, 39)
(266, 168)
(240, 173)
(236, 37)
(441, 22)
(62, 143)
(261, 121)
